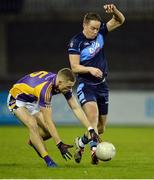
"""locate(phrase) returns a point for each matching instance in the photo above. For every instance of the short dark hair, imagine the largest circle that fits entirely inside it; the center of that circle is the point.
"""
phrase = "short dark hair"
(91, 16)
(67, 74)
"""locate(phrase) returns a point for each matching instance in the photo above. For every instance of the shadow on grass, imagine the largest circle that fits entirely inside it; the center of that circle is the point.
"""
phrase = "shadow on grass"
(9, 165)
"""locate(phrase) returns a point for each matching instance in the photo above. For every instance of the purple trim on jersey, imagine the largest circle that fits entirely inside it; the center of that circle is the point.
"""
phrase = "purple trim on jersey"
(48, 90)
(42, 101)
(50, 76)
(34, 81)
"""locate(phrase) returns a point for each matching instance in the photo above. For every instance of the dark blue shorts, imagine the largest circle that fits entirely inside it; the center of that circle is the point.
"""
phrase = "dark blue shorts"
(98, 93)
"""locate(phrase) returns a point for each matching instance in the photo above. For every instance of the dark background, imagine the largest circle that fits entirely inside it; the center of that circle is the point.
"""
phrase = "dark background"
(36, 34)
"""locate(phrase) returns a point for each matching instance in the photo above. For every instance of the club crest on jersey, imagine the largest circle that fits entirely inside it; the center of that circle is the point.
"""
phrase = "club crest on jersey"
(71, 44)
(86, 43)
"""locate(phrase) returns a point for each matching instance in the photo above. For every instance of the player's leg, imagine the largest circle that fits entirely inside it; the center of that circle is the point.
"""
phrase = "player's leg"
(86, 96)
(28, 120)
(23, 111)
(91, 111)
(43, 130)
(20, 109)
(102, 102)
(102, 124)
(44, 133)
(34, 110)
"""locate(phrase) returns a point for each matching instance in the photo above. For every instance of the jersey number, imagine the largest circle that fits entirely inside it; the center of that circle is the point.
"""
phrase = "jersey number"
(40, 74)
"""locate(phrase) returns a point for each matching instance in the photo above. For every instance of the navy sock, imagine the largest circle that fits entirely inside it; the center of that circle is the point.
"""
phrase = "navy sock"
(47, 159)
(92, 144)
(84, 139)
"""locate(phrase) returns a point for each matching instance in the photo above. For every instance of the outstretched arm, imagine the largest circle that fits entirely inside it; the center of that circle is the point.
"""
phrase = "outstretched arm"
(79, 113)
(117, 18)
(47, 115)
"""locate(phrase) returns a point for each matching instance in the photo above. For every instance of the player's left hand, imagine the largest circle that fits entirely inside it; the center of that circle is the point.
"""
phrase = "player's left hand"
(64, 150)
(110, 8)
(94, 136)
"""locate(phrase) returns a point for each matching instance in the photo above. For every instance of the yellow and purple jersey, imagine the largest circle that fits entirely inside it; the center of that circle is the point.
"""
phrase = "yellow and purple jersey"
(37, 87)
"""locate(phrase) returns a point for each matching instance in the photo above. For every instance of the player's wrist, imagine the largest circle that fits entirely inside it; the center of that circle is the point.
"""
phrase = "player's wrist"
(59, 144)
(87, 69)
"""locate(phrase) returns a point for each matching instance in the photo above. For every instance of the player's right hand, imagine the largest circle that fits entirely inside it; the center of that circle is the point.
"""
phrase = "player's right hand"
(96, 72)
(64, 150)
(110, 8)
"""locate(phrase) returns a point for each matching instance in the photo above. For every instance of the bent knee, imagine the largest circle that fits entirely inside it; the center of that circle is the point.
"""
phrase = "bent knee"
(32, 126)
(46, 136)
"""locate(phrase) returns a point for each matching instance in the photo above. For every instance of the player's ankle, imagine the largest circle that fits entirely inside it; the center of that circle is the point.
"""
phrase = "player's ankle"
(47, 159)
(93, 145)
(80, 143)
(84, 139)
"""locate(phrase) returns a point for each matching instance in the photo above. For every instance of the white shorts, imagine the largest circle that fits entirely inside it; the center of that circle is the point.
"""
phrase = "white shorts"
(13, 104)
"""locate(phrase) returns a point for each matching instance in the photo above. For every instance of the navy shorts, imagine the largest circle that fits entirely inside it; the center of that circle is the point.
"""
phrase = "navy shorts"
(98, 93)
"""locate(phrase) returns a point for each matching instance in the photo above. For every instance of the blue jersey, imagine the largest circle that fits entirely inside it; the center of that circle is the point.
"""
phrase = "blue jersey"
(91, 53)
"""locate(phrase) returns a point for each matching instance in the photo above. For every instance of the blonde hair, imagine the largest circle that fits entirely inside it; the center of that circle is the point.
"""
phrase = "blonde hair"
(67, 74)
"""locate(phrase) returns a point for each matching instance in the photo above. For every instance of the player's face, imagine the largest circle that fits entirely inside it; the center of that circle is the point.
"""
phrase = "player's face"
(65, 86)
(91, 29)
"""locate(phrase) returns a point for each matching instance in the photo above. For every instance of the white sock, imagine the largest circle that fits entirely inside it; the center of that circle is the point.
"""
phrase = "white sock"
(81, 143)
(93, 149)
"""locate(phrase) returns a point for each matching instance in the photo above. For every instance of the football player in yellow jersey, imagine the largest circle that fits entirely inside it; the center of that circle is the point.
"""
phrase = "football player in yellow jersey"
(30, 100)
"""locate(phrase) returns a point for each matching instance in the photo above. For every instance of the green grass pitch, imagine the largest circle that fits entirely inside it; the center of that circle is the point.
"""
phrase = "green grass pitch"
(134, 158)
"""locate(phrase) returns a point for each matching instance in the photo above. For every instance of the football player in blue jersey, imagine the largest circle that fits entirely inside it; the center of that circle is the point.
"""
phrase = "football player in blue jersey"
(87, 59)
(30, 100)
